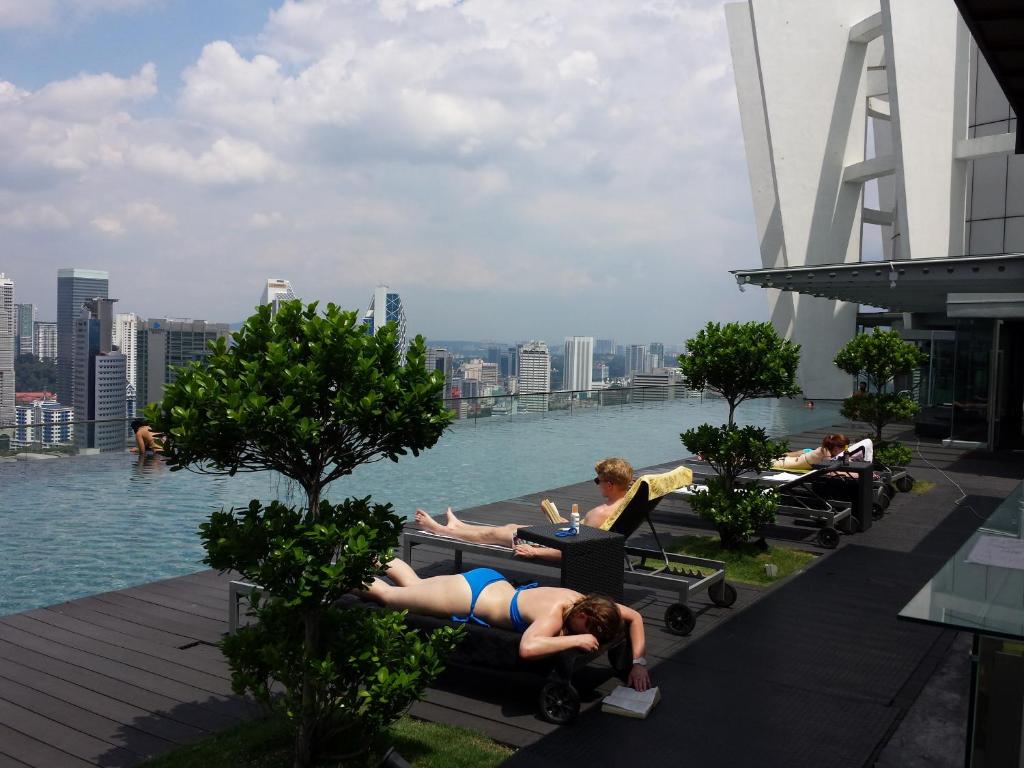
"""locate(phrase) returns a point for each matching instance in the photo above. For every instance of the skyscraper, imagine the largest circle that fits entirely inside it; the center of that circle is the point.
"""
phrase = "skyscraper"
(99, 379)
(44, 340)
(74, 288)
(25, 317)
(578, 365)
(638, 359)
(657, 352)
(604, 347)
(164, 344)
(534, 377)
(277, 290)
(6, 350)
(126, 331)
(386, 307)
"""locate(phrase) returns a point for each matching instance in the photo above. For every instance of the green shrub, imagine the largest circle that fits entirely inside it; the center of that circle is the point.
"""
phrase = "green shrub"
(893, 454)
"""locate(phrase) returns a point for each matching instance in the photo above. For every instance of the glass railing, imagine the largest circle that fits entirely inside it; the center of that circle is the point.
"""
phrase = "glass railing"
(65, 437)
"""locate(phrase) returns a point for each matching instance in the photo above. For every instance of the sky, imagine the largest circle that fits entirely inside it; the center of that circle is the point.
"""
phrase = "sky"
(515, 170)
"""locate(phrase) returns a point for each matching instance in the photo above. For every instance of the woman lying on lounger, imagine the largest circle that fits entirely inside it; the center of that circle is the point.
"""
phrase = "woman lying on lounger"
(831, 446)
(552, 619)
(613, 479)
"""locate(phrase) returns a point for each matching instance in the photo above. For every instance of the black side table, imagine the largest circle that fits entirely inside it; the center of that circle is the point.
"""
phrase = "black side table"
(862, 502)
(592, 560)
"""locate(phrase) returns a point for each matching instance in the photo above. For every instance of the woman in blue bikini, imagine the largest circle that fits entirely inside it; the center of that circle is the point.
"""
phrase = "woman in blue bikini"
(551, 619)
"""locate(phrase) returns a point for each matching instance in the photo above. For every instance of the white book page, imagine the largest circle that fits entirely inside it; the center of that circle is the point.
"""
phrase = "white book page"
(625, 697)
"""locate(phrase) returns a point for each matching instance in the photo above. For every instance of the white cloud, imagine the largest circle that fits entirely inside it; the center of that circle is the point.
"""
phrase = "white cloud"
(34, 217)
(88, 95)
(108, 225)
(46, 13)
(266, 220)
(25, 13)
(227, 161)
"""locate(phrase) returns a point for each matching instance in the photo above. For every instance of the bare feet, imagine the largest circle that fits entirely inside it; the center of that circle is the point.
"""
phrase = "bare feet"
(427, 523)
(453, 521)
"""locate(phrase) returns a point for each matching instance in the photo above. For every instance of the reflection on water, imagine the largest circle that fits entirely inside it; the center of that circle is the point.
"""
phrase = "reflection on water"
(77, 526)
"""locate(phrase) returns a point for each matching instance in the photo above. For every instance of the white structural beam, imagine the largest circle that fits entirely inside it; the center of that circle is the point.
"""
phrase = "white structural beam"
(985, 146)
(878, 108)
(865, 170)
(875, 216)
(877, 81)
(866, 31)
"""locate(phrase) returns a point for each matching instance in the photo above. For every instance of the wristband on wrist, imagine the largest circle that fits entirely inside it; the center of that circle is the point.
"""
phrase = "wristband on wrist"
(640, 661)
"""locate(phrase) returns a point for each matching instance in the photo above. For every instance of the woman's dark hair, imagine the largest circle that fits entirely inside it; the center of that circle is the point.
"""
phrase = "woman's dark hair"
(602, 617)
(137, 423)
(834, 443)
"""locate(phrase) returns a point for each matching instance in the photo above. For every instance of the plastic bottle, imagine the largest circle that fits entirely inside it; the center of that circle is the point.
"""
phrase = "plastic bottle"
(574, 518)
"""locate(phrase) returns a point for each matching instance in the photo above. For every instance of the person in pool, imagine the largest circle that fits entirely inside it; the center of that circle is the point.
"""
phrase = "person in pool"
(613, 478)
(551, 619)
(146, 441)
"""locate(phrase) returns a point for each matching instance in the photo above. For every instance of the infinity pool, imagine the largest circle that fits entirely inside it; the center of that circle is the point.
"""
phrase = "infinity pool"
(77, 526)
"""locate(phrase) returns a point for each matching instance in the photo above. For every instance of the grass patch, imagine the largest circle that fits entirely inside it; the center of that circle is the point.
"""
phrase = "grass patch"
(744, 565)
(921, 486)
(267, 744)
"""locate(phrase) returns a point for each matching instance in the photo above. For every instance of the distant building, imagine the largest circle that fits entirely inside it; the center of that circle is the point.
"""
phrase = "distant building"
(508, 363)
(386, 307)
(604, 347)
(275, 291)
(24, 319)
(165, 344)
(578, 363)
(478, 370)
(659, 384)
(44, 340)
(126, 332)
(656, 350)
(600, 372)
(74, 288)
(534, 377)
(638, 360)
(99, 379)
(7, 333)
(43, 423)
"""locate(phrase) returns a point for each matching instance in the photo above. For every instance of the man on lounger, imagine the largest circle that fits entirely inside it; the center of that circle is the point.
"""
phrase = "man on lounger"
(613, 478)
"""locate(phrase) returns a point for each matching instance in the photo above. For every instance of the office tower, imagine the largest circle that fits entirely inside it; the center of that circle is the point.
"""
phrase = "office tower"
(276, 291)
(74, 288)
(578, 364)
(478, 370)
(24, 319)
(44, 340)
(534, 377)
(386, 307)
(657, 353)
(98, 379)
(6, 351)
(43, 424)
(657, 384)
(126, 332)
(637, 359)
(601, 372)
(604, 347)
(163, 345)
(493, 354)
(508, 363)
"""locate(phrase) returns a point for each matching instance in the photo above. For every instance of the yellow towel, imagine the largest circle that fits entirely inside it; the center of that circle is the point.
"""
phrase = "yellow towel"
(658, 485)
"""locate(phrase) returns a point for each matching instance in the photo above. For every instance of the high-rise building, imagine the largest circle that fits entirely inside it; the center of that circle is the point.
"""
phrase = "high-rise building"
(534, 368)
(276, 291)
(478, 370)
(126, 333)
(604, 347)
(578, 364)
(638, 359)
(74, 287)
(44, 340)
(386, 307)
(656, 350)
(99, 379)
(43, 424)
(24, 319)
(508, 363)
(600, 372)
(6, 350)
(163, 345)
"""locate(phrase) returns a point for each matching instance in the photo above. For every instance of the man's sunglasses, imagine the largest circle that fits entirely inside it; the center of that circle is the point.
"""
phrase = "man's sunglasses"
(597, 481)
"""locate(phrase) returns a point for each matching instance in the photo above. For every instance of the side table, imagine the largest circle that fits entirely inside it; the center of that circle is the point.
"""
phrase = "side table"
(592, 560)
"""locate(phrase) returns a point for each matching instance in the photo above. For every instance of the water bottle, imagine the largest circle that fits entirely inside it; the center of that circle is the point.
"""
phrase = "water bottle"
(574, 518)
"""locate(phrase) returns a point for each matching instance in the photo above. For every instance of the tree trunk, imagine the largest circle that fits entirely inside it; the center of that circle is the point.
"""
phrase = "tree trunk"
(732, 410)
(304, 746)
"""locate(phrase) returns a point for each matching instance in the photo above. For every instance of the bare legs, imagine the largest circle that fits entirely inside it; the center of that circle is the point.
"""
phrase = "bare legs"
(501, 535)
(436, 596)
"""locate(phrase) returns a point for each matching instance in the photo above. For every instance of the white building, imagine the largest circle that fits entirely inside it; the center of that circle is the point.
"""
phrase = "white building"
(658, 384)
(126, 331)
(386, 307)
(44, 340)
(275, 291)
(24, 319)
(43, 424)
(578, 363)
(881, 121)
(6, 350)
(483, 372)
(534, 380)
(638, 360)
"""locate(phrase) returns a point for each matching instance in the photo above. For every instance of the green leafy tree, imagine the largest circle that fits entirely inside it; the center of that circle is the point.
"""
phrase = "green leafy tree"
(312, 396)
(879, 357)
(741, 361)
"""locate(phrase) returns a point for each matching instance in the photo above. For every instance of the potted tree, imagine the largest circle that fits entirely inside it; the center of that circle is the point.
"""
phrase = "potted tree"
(878, 357)
(739, 361)
(311, 396)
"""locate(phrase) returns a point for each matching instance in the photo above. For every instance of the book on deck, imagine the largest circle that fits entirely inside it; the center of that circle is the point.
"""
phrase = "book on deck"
(551, 511)
(630, 703)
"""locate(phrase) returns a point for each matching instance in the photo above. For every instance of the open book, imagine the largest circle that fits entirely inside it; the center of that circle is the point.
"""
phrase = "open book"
(551, 511)
(630, 703)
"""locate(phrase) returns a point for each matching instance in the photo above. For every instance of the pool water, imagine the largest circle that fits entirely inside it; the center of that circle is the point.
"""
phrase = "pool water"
(77, 526)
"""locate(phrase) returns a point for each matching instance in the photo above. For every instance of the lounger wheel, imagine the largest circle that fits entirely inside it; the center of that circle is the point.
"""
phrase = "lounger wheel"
(559, 702)
(878, 509)
(679, 619)
(722, 594)
(889, 490)
(904, 484)
(828, 538)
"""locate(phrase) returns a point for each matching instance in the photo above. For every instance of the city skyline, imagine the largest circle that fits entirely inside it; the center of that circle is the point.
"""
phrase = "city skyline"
(534, 181)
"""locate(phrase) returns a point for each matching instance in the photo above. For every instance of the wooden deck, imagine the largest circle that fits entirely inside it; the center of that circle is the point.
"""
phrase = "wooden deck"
(116, 678)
